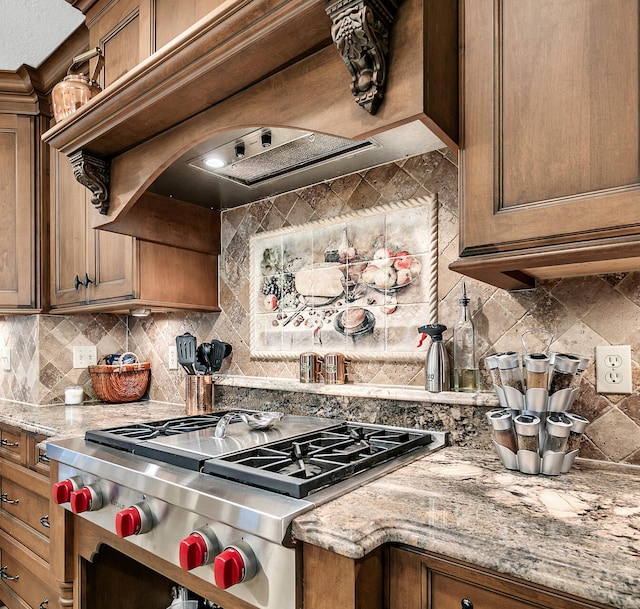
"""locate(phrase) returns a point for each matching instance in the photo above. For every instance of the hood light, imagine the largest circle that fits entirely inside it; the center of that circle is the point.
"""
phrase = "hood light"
(214, 162)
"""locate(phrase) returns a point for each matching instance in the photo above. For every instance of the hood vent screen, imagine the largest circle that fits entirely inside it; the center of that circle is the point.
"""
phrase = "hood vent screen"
(289, 151)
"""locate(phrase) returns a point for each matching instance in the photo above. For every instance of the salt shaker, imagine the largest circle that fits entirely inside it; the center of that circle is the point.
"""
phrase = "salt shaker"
(511, 377)
(558, 427)
(504, 438)
(536, 374)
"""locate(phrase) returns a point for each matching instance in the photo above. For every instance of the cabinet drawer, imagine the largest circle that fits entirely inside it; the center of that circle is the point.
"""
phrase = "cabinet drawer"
(449, 593)
(24, 508)
(20, 583)
(12, 444)
(36, 457)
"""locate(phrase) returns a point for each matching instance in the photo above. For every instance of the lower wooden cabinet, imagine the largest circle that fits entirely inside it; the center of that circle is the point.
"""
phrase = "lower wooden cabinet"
(417, 580)
(35, 570)
(394, 577)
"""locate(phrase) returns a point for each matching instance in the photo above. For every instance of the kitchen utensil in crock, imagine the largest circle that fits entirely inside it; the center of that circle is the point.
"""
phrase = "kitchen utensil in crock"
(255, 420)
(186, 347)
(219, 350)
(203, 355)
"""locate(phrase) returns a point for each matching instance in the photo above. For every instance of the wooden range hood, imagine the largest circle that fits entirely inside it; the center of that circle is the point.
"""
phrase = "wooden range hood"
(254, 64)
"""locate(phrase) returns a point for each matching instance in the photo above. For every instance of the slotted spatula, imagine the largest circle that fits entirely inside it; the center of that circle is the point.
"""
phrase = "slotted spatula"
(186, 347)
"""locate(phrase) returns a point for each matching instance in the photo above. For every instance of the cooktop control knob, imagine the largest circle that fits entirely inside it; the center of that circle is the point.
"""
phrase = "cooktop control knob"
(86, 499)
(62, 490)
(198, 549)
(235, 564)
(134, 520)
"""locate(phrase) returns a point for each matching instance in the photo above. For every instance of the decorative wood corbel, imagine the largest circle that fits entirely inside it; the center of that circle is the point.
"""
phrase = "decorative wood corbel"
(361, 30)
(93, 173)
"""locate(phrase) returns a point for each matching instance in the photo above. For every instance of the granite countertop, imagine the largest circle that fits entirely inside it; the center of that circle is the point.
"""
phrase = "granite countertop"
(61, 421)
(578, 533)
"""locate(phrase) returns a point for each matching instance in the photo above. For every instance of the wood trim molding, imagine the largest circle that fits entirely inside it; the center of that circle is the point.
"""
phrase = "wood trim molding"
(361, 31)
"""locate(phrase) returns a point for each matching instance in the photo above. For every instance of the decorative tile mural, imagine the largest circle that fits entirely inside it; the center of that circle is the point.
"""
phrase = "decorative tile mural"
(581, 312)
(354, 284)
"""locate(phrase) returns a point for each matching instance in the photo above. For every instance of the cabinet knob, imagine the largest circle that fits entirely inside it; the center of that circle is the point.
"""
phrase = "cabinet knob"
(44, 604)
(44, 521)
(86, 281)
(76, 282)
(465, 603)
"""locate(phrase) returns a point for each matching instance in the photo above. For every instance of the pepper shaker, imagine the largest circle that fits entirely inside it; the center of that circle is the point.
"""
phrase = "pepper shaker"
(528, 433)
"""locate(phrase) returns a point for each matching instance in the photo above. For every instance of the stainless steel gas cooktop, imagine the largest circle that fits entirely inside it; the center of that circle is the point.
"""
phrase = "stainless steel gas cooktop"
(221, 507)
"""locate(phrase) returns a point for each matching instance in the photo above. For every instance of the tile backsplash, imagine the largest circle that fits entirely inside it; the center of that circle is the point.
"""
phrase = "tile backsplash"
(581, 313)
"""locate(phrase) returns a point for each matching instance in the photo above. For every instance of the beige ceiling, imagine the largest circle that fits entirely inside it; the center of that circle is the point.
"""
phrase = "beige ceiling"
(30, 30)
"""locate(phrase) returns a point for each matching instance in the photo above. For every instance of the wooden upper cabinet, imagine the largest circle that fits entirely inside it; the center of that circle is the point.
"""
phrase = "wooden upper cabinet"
(121, 29)
(77, 250)
(549, 164)
(172, 18)
(18, 213)
(120, 272)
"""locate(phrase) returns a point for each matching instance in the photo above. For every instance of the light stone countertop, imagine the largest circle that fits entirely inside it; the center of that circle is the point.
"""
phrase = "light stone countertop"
(578, 533)
(61, 421)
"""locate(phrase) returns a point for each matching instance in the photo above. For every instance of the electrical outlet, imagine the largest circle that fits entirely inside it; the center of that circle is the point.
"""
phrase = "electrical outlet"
(173, 358)
(85, 356)
(613, 369)
(5, 358)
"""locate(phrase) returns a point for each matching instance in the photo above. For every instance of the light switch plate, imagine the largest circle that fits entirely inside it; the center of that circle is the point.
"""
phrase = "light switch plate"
(613, 369)
(173, 357)
(85, 356)
(5, 358)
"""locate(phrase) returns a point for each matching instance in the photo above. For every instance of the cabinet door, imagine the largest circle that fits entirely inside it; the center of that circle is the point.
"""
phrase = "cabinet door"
(77, 250)
(68, 232)
(550, 170)
(112, 258)
(17, 210)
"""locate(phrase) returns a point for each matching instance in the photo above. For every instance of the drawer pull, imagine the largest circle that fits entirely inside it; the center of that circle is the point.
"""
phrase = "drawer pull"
(4, 499)
(42, 457)
(4, 575)
(44, 604)
(5, 442)
(44, 521)
(465, 603)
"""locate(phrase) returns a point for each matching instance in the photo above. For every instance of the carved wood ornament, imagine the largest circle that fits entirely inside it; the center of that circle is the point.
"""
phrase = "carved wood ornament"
(361, 30)
(93, 173)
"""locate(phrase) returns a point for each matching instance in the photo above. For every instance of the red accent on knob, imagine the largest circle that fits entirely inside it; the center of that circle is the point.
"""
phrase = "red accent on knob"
(228, 568)
(193, 551)
(62, 491)
(80, 500)
(128, 522)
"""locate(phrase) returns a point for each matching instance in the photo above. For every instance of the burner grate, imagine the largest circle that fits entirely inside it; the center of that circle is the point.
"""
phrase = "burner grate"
(300, 467)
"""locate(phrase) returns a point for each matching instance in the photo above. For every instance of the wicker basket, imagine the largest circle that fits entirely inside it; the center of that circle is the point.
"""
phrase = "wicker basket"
(121, 382)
